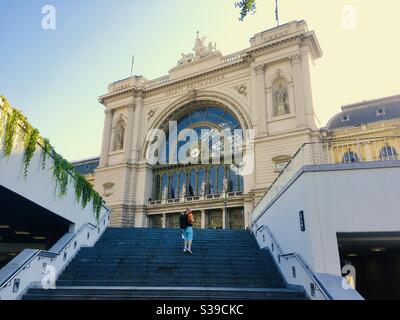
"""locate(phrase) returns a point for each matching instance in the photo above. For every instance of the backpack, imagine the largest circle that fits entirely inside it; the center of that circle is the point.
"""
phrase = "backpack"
(183, 221)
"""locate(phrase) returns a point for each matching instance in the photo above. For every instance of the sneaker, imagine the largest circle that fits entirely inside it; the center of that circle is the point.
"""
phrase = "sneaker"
(189, 251)
(184, 250)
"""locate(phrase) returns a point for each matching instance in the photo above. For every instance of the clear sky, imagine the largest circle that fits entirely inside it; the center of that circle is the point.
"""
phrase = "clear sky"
(56, 76)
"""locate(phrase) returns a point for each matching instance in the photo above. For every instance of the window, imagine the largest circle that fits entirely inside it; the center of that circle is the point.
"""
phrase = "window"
(388, 153)
(380, 112)
(350, 157)
(345, 119)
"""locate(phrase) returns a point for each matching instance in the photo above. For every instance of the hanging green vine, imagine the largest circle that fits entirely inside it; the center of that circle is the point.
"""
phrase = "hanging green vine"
(61, 173)
(46, 151)
(4, 113)
(30, 148)
(14, 125)
(11, 128)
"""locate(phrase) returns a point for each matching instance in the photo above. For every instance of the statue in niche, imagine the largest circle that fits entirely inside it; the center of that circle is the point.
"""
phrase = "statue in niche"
(184, 190)
(203, 187)
(225, 185)
(281, 101)
(119, 136)
(165, 193)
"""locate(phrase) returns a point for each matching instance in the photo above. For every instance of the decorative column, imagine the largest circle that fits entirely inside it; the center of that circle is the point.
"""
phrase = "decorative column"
(105, 147)
(260, 101)
(129, 132)
(137, 127)
(368, 151)
(203, 219)
(298, 90)
(164, 220)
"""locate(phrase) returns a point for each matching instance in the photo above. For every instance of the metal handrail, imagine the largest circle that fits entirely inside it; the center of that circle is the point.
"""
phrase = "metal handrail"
(303, 264)
(41, 252)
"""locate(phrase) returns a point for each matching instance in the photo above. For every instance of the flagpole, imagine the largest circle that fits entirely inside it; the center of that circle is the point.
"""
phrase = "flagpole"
(133, 61)
(277, 12)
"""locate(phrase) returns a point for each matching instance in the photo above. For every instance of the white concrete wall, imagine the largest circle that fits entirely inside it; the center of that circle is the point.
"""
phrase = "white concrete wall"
(364, 199)
(39, 187)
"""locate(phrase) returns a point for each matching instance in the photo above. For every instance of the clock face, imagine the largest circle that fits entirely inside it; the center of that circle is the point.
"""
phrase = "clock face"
(195, 153)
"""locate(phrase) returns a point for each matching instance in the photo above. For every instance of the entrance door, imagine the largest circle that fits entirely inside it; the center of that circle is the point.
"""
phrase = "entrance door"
(173, 220)
(155, 221)
(214, 219)
(236, 218)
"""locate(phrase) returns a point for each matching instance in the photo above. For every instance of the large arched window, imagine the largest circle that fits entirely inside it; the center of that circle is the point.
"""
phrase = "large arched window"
(209, 123)
(216, 129)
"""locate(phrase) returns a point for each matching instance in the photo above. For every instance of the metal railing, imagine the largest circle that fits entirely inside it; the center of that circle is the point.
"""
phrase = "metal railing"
(47, 254)
(335, 151)
(312, 277)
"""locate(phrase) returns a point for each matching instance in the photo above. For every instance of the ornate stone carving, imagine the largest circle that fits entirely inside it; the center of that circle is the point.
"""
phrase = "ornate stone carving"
(242, 90)
(131, 106)
(260, 69)
(295, 58)
(200, 50)
(108, 189)
(150, 114)
(192, 94)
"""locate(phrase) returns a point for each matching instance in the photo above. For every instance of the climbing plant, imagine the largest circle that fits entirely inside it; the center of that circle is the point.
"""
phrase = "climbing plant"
(46, 151)
(13, 125)
(31, 139)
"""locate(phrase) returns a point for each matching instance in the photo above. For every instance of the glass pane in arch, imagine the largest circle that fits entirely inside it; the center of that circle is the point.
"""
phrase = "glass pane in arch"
(221, 175)
(233, 181)
(201, 177)
(183, 123)
(192, 190)
(174, 192)
(212, 180)
(198, 116)
(241, 183)
(230, 120)
(214, 115)
(157, 188)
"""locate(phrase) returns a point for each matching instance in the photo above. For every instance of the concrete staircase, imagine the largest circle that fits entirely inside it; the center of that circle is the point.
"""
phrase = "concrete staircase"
(149, 264)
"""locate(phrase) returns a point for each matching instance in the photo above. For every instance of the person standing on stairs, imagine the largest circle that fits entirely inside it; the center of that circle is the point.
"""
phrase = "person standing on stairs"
(186, 221)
